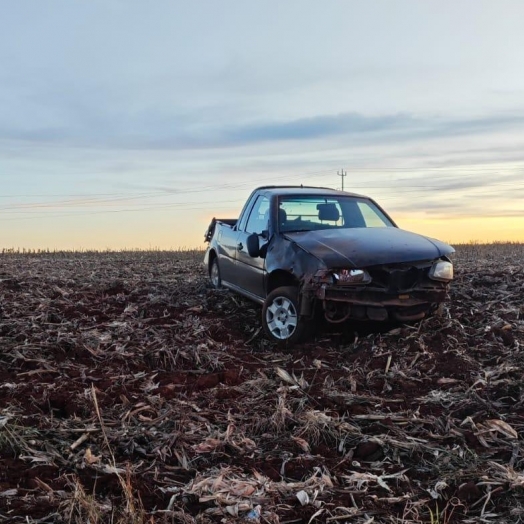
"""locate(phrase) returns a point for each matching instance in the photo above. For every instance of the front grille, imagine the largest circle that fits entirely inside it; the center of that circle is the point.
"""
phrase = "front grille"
(397, 279)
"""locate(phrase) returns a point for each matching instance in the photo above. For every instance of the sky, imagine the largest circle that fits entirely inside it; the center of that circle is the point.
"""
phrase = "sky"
(127, 124)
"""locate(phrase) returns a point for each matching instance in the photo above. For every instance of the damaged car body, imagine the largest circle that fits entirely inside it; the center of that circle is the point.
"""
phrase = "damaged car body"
(301, 250)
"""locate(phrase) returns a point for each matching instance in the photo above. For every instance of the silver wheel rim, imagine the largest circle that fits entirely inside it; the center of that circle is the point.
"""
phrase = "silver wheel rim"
(281, 318)
(215, 274)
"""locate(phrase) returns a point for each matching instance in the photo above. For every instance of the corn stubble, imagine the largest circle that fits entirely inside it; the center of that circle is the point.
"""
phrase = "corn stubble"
(130, 391)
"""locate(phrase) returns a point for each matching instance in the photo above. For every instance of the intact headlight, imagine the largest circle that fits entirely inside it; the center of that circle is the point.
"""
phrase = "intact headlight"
(352, 276)
(441, 270)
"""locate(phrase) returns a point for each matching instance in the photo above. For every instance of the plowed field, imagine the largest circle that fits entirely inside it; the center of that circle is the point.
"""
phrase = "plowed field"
(132, 392)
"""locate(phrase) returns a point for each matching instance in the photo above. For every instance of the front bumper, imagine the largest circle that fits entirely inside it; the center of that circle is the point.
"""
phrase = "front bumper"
(376, 297)
(369, 302)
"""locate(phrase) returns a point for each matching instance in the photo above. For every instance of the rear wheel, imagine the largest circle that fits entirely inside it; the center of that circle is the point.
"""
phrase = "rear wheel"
(280, 317)
(214, 274)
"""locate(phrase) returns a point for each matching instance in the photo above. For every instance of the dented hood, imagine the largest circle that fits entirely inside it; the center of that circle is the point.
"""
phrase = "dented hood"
(364, 247)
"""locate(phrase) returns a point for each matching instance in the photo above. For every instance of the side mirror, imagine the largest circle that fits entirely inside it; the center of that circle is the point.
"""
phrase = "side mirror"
(253, 245)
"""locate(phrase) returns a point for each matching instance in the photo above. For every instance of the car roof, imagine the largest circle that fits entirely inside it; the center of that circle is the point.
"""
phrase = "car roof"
(304, 190)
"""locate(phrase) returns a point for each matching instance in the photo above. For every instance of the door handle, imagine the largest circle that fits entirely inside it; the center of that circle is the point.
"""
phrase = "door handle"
(240, 247)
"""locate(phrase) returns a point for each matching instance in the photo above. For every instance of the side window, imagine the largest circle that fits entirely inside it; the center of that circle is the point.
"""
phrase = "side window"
(245, 213)
(259, 216)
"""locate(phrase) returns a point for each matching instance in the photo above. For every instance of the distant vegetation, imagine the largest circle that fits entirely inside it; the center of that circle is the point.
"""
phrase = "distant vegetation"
(472, 247)
(39, 251)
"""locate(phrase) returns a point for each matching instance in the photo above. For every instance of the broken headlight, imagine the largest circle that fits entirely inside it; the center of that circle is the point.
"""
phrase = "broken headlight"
(351, 276)
(441, 270)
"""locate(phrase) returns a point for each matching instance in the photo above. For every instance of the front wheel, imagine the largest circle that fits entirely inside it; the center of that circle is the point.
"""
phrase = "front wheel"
(280, 317)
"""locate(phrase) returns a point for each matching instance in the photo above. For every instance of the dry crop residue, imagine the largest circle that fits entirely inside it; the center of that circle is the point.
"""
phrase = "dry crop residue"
(130, 391)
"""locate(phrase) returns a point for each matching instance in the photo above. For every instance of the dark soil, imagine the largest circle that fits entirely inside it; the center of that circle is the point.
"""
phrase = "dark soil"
(130, 391)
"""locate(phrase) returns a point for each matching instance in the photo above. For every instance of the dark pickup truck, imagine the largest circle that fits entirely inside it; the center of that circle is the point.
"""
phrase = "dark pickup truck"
(300, 251)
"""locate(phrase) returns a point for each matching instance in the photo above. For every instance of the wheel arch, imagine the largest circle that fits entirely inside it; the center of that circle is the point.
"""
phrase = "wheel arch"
(279, 278)
(211, 255)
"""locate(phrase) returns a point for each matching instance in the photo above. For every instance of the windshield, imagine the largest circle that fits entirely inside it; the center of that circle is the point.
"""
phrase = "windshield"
(312, 213)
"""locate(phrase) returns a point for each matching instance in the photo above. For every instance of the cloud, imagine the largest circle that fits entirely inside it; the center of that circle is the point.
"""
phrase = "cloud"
(471, 202)
(320, 127)
(401, 126)
(194, 129)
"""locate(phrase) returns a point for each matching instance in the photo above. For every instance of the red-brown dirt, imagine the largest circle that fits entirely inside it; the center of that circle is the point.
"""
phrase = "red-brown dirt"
(130, 391)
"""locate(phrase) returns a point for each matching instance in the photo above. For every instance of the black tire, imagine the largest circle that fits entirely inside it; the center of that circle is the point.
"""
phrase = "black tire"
(214, 274)
(280, 316)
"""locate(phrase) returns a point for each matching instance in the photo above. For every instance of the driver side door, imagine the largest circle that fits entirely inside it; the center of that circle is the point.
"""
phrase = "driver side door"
(251, 271)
